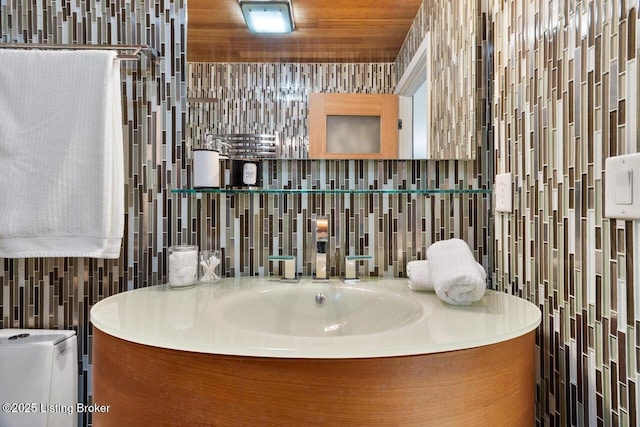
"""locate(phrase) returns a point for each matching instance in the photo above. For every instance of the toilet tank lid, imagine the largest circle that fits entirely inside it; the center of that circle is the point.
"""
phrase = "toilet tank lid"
(33, 336)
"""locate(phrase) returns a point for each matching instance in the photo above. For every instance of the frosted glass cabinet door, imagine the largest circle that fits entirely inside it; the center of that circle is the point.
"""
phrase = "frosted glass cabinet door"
(353, 134)
(350, 126)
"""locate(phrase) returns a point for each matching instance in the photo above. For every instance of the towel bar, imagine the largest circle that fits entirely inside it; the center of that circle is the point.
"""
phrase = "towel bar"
(133, 51)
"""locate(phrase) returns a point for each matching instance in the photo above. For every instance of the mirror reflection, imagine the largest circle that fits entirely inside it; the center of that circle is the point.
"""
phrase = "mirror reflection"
(262, 85)
(269, 98)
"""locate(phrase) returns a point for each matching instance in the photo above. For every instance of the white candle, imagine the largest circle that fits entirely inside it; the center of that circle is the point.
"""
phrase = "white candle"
(290, 268)
(321, 267)
(350, 269)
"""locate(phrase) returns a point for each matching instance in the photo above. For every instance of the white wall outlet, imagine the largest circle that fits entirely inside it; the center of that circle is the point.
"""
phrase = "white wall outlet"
(622, 187)
(503, 193)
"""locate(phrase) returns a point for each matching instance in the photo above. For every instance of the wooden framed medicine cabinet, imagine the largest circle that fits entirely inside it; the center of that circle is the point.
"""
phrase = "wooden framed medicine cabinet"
(353, 126)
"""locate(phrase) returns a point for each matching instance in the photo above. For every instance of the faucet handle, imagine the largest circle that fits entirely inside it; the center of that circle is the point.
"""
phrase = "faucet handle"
(290, 274)
(351, 268)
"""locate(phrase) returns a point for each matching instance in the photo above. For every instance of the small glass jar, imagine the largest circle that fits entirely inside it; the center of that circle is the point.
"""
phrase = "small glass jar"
(209, 266)
(183, 266)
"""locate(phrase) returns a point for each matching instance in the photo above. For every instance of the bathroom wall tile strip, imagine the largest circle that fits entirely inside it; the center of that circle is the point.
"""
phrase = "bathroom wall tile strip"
(566, 90)
(298, 191)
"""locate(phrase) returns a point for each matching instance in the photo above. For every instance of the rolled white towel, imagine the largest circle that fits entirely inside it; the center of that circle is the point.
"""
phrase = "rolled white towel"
(454, 273)
(418, 274)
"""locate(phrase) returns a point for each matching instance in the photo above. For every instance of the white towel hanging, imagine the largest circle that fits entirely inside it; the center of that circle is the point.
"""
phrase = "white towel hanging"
(61, 154)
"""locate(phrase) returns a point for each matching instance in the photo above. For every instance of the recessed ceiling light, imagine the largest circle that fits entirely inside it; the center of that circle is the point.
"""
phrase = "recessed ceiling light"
(268, 17)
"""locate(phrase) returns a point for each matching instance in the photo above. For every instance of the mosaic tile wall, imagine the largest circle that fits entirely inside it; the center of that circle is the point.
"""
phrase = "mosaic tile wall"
(57, 293)
(393, 229)
(566, 90)
(457, 87)
(273, 98)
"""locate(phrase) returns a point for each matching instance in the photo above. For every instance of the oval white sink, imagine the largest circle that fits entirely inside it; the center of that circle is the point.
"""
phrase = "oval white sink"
(293, 310)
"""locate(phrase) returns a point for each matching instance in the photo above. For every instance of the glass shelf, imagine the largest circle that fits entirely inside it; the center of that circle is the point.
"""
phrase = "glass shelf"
(294, 191)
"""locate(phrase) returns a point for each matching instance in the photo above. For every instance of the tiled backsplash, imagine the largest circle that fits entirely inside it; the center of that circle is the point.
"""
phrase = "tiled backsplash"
(393, 229)
(273, 98)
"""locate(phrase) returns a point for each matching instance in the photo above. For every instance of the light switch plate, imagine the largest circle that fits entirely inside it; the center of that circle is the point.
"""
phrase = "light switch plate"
(622, 187)
(503, 193)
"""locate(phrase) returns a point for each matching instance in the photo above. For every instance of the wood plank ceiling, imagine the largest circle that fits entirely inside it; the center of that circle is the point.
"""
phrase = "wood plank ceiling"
(326, 31)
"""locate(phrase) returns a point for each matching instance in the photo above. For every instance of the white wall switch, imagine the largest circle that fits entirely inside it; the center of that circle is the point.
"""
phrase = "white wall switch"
(622, 187)
(503, 193)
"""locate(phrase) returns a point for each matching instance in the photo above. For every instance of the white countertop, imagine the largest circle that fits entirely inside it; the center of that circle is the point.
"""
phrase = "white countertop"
(190, 320)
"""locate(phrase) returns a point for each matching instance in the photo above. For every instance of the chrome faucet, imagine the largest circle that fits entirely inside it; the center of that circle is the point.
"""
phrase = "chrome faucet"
(322, 247)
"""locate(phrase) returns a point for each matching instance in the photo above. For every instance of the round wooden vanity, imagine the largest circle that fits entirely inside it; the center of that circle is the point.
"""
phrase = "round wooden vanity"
(167, 384)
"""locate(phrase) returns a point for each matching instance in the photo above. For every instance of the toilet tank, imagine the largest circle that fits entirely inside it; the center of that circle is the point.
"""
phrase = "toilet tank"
(38, 378)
